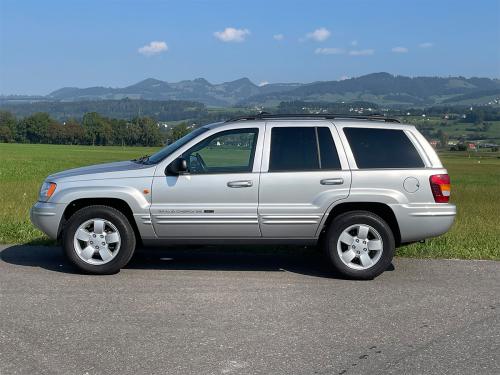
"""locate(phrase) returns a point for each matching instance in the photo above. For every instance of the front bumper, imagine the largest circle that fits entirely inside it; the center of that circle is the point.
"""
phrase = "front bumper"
(420, 221)
(47, 216)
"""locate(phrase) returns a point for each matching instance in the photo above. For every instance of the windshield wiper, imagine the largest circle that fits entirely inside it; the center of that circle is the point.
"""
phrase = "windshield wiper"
(142, 160)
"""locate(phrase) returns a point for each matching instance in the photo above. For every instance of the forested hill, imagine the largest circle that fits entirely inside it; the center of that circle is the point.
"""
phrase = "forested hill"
(379, 88)
(170, 110)
(387, 89)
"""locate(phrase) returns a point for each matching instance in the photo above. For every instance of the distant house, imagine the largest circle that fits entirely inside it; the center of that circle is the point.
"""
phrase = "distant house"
(434, 143)
(471, 146)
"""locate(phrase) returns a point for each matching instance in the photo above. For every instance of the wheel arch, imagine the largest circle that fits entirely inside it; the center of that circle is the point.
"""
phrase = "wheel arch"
(116, 203)
(381, 209)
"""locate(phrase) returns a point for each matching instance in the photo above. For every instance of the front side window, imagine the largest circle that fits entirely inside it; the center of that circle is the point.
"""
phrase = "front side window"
(171, 148)
(382, 148)
(230, 151)
(302, 149)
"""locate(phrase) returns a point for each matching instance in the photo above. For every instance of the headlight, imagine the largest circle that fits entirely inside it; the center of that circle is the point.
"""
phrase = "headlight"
(46, 191)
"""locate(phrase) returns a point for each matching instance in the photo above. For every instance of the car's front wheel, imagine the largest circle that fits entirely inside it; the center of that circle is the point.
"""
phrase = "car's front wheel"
(360, 244)
(99, 239)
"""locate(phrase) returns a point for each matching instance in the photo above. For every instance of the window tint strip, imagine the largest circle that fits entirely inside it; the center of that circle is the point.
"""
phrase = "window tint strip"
(317, 146)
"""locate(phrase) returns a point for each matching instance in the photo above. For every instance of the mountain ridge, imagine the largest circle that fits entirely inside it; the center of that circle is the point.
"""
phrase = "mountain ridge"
(380, 88)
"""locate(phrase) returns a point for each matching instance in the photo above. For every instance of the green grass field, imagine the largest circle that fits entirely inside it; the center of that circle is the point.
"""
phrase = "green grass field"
(475, 190)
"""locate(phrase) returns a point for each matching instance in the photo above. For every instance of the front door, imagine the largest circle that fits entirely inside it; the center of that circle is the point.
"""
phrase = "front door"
(218, 197)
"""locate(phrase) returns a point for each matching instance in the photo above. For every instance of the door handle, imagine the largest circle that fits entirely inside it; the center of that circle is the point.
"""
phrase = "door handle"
(240, 184)
(332, 181)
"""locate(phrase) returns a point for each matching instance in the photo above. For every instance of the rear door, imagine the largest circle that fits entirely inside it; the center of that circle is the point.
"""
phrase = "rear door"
(304, 170)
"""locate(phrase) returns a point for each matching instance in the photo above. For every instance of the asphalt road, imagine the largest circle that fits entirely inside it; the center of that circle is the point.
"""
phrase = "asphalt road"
(234, 312)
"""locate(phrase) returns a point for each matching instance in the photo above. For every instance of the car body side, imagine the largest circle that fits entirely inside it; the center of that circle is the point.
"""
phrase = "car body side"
(290, 208)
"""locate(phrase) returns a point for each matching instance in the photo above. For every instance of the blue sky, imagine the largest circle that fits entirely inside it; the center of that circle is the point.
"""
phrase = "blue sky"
(45, 45)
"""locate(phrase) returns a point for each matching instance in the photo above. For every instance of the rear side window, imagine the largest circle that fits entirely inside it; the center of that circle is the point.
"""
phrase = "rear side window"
(382, 148)
(302, 149)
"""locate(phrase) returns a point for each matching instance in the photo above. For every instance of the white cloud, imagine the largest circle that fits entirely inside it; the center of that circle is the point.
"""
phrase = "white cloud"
(400, 50)
(354, 43)
(153, 48)
(230, 34)
(319, 35)
(329, 51)
(278, 37)
(343, 78)
(263, 83)
(361, 52)
(426, 45)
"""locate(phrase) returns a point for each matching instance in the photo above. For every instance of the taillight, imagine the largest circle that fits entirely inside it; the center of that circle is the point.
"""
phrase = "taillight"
(440, 186)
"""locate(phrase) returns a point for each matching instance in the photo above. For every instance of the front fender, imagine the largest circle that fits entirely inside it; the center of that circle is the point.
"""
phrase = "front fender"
(137, 200)
(135, 192)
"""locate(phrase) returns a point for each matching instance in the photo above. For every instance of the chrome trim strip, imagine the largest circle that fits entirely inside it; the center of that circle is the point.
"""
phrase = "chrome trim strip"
(446, 213)
(42, 213)
(289, 219)
(208, 221)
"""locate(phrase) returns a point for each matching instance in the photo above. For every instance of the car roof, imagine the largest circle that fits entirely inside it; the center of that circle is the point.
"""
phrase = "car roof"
(371, 122)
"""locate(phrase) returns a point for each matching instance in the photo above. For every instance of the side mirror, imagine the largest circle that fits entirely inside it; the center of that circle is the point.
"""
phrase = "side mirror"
(177, 167)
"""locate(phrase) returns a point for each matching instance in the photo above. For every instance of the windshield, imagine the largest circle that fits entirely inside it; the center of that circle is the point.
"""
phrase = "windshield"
(166, 151)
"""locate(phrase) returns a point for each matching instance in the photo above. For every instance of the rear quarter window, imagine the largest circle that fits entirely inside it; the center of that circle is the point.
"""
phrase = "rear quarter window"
(382, 148)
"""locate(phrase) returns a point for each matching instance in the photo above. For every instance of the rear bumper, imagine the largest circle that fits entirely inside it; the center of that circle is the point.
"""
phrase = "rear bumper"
(47, 217)
(420, 221)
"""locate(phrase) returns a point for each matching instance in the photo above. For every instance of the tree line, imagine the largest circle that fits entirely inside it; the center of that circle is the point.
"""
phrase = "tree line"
(92, 129)
(168, 110)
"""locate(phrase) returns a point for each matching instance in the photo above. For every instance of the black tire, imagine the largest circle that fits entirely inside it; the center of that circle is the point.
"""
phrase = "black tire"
(119, 220)
(344, 221)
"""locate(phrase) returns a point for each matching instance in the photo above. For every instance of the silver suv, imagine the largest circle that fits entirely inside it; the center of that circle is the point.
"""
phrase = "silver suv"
(358, 186)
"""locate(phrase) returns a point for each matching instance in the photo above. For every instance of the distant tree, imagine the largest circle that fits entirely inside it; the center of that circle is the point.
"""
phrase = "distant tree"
(73, 132)
(179, 131)
(443, 138)
(35, 128)
(150, 133)
(97, 129)
(486, 126)
(6, 134)
(7, 126)
(118, 131)
(55, 133)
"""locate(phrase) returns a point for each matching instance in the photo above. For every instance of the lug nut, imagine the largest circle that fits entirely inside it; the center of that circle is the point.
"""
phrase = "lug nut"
(357, 240)
(91, 242)
(97, 247)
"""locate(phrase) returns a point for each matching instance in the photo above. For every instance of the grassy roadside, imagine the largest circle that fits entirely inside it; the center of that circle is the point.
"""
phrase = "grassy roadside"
(475, 190)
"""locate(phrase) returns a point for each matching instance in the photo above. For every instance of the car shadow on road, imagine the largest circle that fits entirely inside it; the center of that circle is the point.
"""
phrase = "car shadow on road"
(301, 260)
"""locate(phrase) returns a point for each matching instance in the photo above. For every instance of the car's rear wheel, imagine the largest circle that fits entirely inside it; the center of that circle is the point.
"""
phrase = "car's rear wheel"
(360, 244)
(99, 239)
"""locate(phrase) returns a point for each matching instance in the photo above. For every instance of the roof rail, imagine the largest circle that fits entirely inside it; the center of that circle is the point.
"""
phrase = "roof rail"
(326, 116)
